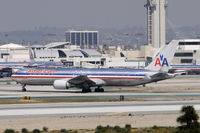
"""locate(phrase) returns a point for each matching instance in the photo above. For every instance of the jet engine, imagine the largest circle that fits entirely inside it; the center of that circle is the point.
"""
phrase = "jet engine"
(61, 84)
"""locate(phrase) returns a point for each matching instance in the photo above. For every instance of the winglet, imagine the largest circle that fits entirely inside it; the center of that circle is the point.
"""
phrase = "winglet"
(163, 59)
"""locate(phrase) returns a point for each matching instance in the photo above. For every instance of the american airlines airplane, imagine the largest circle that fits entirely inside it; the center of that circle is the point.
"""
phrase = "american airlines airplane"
(85, 78)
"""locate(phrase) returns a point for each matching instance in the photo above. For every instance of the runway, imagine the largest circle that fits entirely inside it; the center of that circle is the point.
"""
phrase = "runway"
(95, 108)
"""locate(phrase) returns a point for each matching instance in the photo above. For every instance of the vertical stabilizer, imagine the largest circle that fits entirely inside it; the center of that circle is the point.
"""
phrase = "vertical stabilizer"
(163, 59)
(31, 56)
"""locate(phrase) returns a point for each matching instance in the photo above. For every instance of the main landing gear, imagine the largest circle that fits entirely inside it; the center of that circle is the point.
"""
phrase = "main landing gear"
(86, 88)
(24, 87)
(96, 90)
(99, 89)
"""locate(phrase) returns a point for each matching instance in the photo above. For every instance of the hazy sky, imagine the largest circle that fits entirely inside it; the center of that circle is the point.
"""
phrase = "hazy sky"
(27, 14)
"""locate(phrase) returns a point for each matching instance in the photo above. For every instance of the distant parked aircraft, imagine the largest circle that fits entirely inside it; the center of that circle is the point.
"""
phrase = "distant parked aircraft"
(193, 69)
(7, 68)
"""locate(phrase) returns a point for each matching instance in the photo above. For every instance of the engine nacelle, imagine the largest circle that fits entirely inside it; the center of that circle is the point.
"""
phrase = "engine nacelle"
(61, 84)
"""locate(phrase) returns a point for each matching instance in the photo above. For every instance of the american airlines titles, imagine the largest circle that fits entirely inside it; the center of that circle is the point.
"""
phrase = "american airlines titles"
(41, 71)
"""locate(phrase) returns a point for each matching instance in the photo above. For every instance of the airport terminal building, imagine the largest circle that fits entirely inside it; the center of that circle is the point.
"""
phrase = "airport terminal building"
(188, 52)
(84, 39)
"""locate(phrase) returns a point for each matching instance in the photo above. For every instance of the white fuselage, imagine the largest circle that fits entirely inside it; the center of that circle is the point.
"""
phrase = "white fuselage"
(111, 77)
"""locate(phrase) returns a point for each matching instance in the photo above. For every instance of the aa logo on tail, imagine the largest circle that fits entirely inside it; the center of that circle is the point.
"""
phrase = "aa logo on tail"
(161, 61)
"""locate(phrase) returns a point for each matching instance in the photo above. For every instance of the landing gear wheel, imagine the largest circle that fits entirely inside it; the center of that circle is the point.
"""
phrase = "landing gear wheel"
(99, 89)
(86, 90)
(83, 91)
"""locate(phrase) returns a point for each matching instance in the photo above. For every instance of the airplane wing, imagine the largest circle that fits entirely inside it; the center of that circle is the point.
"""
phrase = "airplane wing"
(161, 76)
(81, 81)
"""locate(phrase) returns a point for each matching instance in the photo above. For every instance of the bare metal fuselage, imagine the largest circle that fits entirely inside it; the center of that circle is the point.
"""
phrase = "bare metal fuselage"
(111, 77)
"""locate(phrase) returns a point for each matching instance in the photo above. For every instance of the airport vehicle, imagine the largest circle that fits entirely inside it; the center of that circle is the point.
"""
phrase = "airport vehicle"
(85, 78)
(7, 68)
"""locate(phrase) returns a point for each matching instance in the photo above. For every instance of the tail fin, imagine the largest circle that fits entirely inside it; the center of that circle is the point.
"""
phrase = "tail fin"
(121, 54)
(31, 56)
(164, 57)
